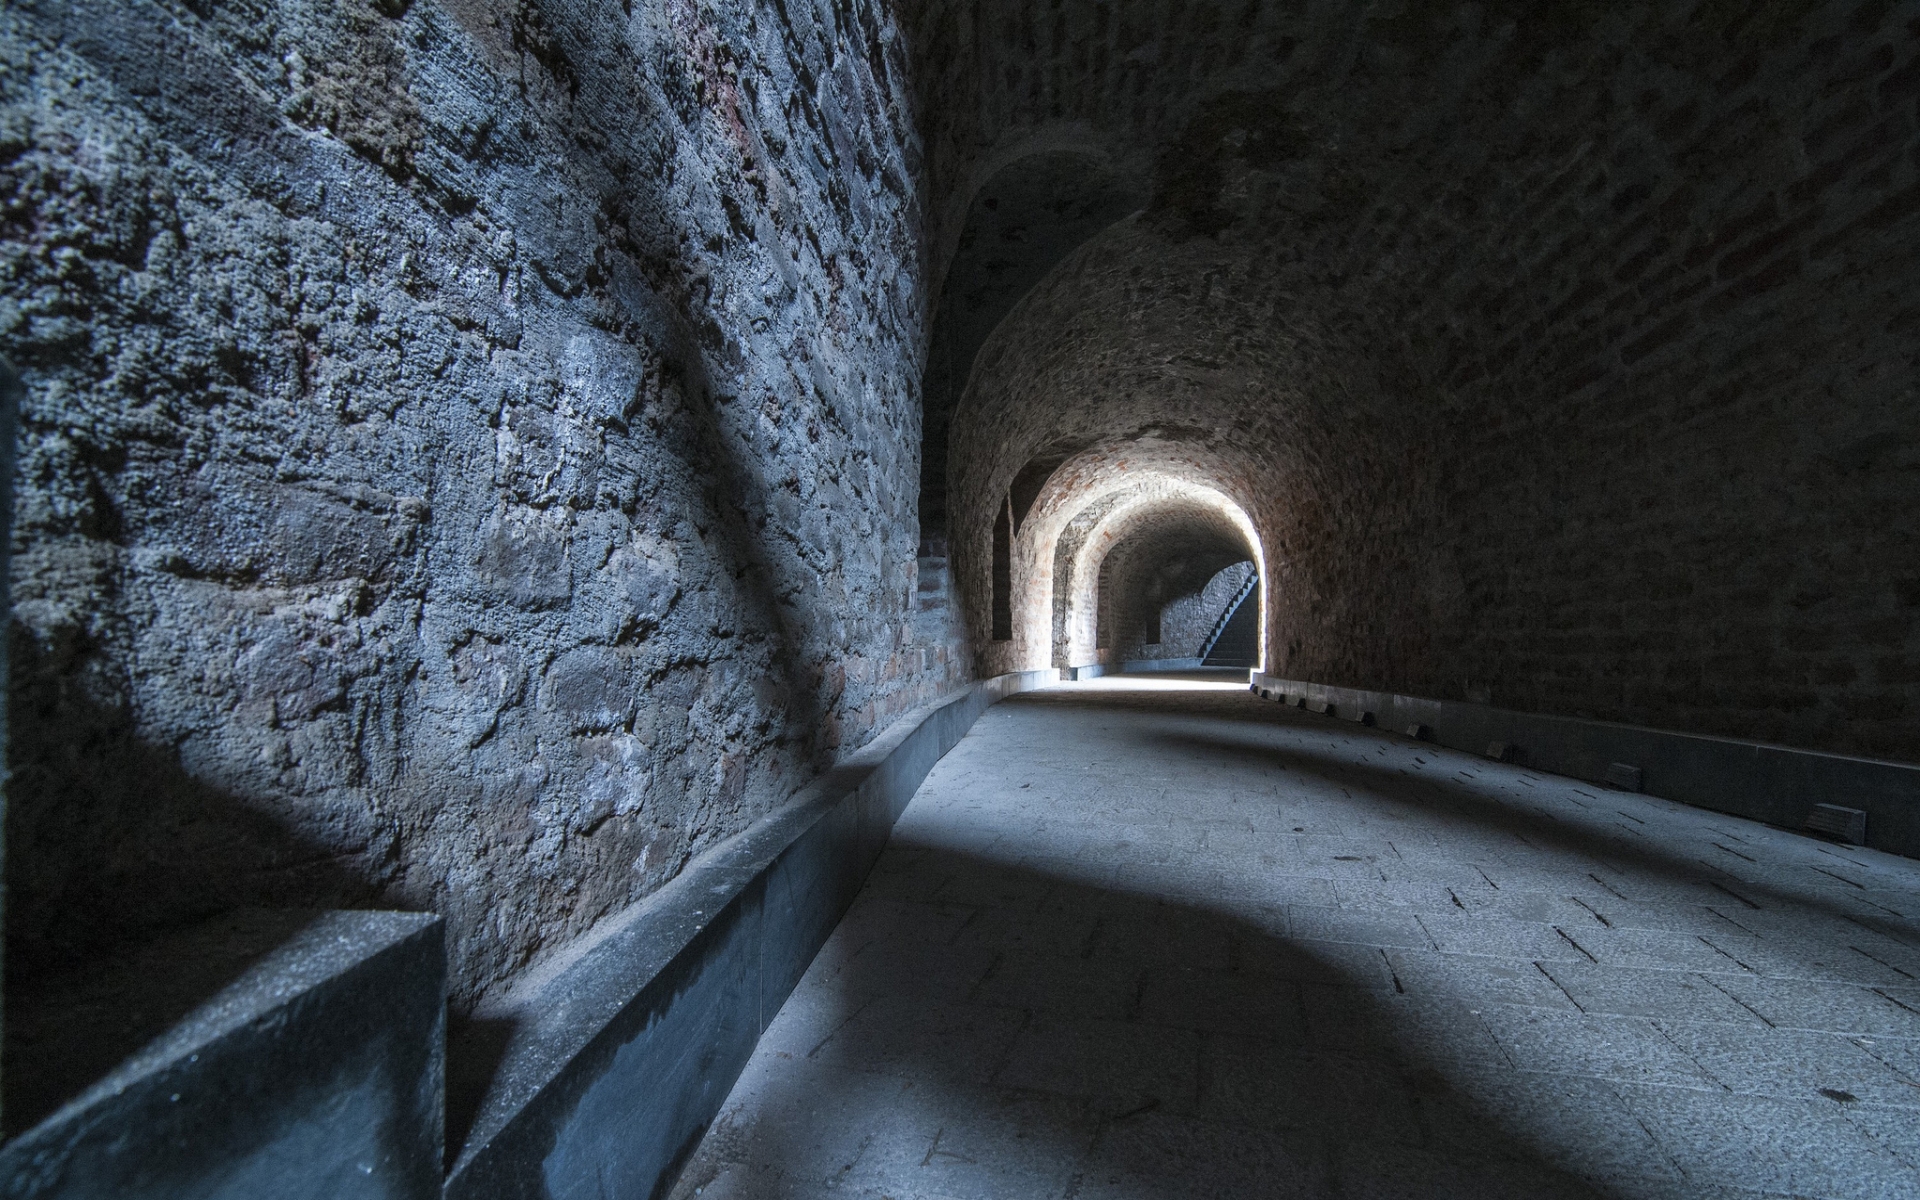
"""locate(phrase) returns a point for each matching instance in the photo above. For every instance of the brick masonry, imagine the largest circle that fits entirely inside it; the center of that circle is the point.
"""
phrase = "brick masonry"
(1562, 355)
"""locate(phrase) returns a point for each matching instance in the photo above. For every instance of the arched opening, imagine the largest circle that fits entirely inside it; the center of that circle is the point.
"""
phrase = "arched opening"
(1137, 550)
(1026, 216)
(1155, 580)
(1168, 613)
(1151, 586)
(1003, 574)
(1160, 515)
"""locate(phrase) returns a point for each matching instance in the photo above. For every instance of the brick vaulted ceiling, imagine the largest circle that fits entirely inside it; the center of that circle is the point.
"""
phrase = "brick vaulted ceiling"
(1561, 353)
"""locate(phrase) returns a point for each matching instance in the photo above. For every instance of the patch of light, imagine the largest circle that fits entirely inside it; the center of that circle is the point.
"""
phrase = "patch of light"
(1083, 603)
(1171, 682)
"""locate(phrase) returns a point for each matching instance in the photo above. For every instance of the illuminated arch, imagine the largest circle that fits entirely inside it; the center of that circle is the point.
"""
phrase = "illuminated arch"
(1089, 504)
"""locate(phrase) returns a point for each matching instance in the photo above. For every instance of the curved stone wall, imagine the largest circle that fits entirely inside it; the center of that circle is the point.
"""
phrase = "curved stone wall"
(1166, 552)
(470, 455)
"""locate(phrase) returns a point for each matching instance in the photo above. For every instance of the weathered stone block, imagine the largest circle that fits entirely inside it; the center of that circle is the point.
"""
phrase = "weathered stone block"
(317, 1074)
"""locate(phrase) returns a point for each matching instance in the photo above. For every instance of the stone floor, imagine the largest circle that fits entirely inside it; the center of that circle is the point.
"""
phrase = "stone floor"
(1146, 938)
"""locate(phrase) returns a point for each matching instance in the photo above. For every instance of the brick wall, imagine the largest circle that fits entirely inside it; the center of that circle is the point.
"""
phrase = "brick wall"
(1563, 354)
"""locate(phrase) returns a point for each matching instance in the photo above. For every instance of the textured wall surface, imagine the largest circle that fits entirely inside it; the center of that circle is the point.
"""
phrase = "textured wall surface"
(1187, 622)
(470, 452)
(471, 449)
(1019, 223)
(1563, 354)
(1169, 553)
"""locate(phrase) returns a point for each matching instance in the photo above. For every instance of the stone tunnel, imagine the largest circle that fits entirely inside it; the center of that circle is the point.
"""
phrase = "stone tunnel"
(961, 598)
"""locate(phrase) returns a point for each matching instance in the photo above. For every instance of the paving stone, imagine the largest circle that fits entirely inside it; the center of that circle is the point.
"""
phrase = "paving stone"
(1546, 908)
(879, 918)
(1060, 933)
(1608, 1047)
(1163, 1155)
(1828, 1007)
(986, 885)
(913, 967)
(915, 1037)
(1260, 952)
(1120, 1064)
(1229, 1002)
(1780, 957)
(967, 1147)
(1791, 1064)
(1476, 980)
(1893, 1129)
(1676, 995)
(1902, 1055)
(1105, 988)
(1459, 1172)
(1571, 1122)
(1255, 1083)
(1311, 924)
(1502, 939)
(1800, 1147)
(1396, 896)
(1345, 1019)
(1666, 950)
(805, 1120)
(1028, 1003)
(1280, 886)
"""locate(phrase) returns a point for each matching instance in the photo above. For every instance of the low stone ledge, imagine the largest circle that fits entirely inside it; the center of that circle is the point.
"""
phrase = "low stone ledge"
(1775, 784)
(621, 1052)
(316, 1074)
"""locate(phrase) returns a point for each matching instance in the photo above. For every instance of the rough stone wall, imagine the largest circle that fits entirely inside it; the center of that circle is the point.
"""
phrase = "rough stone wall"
(1167, 553)
(1187, 623)
(469, 455)
(1563, 355)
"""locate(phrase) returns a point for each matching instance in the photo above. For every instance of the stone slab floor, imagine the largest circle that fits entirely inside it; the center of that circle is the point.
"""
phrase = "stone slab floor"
(1148, 938)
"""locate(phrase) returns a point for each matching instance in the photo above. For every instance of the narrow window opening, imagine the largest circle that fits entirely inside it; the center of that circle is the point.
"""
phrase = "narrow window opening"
(1103, 607)
(1003, 574)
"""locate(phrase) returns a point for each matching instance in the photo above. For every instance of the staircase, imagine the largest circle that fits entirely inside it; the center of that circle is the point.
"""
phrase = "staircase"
(1235, 640)
(934, 588)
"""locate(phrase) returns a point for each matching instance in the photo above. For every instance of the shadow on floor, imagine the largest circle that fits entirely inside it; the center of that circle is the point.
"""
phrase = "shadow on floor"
(1443, 794)
(977, 1029)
